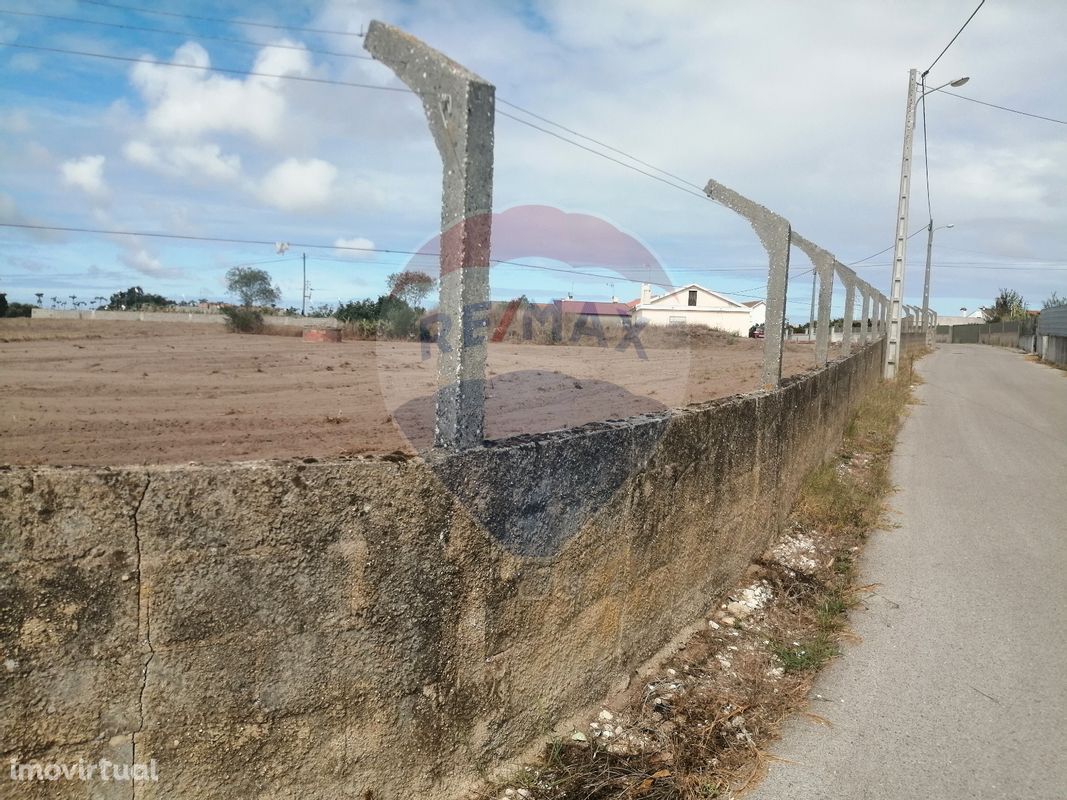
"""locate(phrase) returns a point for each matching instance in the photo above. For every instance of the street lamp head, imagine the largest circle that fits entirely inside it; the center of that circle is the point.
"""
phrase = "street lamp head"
(960, 81)
(951, 225)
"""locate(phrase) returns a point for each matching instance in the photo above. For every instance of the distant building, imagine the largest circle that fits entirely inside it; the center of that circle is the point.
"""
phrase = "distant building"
(692, 305)
(606, 314)
(758, 310)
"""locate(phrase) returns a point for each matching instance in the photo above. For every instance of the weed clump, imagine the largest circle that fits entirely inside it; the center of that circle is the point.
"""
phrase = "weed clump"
(240, 319)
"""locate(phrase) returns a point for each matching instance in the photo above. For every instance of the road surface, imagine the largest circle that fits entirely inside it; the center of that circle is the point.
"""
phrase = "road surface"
(959, 686)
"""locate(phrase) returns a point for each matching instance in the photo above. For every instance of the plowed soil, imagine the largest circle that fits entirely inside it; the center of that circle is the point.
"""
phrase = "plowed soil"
(112, 393)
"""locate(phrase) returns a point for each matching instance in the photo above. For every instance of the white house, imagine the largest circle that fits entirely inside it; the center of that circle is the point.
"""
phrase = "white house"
(758, 310)
(692, 305)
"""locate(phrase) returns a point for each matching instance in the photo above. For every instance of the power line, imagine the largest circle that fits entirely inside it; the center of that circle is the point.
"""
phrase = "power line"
(947, 46)
(601, 144)
(1004, 108)
(201, 68)
(521, 121)
(926, 155)
(212, 37)
(884, 250)
(313, 246)
(350, 84)
(216, 19)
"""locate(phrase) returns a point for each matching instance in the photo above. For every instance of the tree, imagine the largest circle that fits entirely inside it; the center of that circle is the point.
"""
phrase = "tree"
(1054, 301)
(134, 298)
(1008, 305)
(252, 286)
(40, 298)
(411, 287)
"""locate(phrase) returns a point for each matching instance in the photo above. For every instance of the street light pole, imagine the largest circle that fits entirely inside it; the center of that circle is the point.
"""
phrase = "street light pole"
(304, 286)
(926, 284)
(892, 347)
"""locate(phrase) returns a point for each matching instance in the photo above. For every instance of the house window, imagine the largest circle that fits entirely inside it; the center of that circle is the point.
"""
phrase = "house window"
(692, 297)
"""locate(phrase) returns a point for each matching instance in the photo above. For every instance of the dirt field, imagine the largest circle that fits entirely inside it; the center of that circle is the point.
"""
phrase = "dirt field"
(112, 393)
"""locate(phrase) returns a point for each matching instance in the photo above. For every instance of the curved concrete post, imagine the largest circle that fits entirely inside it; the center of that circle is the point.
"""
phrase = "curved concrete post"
(460, 108)
(774, 233)
(848, 277)
(823, 262)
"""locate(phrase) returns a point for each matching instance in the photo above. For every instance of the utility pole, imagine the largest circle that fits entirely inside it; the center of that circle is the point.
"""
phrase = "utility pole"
(896, 291)
(926, 282)
(304, 286)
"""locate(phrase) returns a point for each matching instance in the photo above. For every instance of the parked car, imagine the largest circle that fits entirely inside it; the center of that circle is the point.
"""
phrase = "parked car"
(756, 332)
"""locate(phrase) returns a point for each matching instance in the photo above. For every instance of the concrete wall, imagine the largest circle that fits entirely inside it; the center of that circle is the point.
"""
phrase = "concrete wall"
(1051, 339)
(321, 629)
(179, 316)
(1052, 348)
(731, 320)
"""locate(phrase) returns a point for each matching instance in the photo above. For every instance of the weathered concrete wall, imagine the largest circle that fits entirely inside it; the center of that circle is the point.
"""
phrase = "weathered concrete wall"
(1052, 348)
(320, 629)
(912, 342)
(195, 317)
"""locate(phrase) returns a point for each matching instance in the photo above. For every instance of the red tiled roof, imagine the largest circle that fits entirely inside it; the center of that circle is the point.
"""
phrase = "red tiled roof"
(592, 309)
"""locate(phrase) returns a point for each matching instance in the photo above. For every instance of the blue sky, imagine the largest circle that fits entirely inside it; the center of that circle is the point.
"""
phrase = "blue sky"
(799, 106)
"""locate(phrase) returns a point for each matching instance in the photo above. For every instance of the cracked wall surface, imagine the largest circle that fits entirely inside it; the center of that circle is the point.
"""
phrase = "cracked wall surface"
(324, 628)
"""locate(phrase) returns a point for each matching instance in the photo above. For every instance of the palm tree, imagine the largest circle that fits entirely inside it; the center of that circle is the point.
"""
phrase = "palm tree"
(40, 298)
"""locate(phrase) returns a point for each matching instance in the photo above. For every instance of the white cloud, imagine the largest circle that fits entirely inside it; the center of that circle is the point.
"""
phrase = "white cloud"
(142, 260)
(296, 185)
(86, 174)
(15, 120)
(184, 159)
(363, 247)
(184, 104)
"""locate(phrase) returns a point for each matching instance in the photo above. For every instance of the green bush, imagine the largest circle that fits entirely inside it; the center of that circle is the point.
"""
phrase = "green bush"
(388, 317)
(19, 310)
(242, 320)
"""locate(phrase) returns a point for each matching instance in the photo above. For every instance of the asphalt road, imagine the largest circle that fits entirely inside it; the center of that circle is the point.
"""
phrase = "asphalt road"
(958, 688)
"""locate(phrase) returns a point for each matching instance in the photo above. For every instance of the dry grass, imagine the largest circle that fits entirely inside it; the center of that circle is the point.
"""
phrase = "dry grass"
(701, 728)
(1036, 359)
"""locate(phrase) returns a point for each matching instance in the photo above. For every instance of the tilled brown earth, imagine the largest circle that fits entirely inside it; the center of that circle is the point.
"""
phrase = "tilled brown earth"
(111, 393)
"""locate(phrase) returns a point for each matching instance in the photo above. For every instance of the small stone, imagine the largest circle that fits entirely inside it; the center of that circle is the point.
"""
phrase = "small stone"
(713, 625)
(10, 664)
(605, 716)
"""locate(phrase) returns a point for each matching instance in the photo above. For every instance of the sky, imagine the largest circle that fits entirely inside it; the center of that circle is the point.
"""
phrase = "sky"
(799, 106)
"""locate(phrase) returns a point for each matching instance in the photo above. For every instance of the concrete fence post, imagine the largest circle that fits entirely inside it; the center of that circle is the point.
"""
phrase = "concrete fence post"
(774, 233)
(865, 310)
(848, 277)
(823, 261)
(460, 109)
